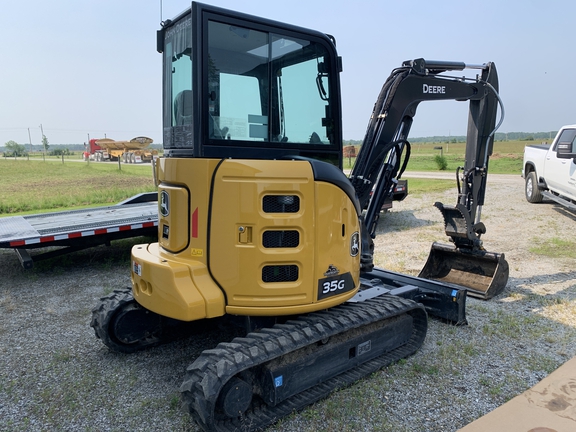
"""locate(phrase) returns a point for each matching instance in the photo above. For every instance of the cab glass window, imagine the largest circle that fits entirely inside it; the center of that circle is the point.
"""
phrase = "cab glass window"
(265, 87)
(178, 73)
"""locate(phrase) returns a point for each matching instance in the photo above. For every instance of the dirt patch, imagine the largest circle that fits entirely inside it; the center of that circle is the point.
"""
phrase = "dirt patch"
(506, 156)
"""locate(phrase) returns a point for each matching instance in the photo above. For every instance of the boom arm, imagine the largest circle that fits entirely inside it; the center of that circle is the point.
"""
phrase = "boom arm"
(380, 164)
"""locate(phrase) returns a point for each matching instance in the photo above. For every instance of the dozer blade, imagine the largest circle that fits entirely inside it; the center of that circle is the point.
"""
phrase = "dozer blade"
(484, 274)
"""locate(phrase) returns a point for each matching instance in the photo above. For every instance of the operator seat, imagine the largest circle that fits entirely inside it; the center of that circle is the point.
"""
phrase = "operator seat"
(183, 108)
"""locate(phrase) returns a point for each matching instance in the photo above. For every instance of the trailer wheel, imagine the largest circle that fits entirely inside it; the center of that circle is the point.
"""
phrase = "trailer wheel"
(533, 193)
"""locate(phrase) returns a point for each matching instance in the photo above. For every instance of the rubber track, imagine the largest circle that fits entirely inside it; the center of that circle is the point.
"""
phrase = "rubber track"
(102, 315)
(213, 368)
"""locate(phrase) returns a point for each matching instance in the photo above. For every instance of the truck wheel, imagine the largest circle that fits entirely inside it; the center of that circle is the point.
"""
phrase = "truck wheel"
(533, 194)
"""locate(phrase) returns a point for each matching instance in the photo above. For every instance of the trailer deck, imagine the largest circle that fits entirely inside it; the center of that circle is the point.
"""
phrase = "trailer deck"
(79, 229)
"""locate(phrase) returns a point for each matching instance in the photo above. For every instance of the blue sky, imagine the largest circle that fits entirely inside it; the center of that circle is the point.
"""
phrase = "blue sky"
(90, 67)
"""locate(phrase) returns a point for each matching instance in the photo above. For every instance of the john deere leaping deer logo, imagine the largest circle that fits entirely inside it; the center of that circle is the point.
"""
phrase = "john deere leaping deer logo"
(164, 204)
(355, 244)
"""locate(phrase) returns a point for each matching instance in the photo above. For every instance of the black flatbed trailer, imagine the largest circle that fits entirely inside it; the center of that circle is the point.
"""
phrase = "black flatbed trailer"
(75, 230)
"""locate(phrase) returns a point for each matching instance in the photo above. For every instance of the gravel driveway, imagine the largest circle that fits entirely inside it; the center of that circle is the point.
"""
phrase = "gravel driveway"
(55, 375)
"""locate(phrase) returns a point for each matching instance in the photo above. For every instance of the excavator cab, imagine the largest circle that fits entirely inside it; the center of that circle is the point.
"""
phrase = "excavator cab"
(241, 89)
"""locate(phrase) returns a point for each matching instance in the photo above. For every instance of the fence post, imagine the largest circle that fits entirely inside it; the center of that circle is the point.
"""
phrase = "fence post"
(119, 166)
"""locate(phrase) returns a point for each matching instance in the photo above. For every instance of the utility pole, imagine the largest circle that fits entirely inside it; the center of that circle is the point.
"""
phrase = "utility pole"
(30, 140)
(43, 146)
(87, 149)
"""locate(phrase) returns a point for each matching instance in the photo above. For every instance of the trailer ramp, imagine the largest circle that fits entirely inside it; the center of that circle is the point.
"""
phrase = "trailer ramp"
(75, 230)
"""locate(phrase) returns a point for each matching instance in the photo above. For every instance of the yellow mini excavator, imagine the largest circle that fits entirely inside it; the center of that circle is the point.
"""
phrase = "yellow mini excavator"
(257, 221)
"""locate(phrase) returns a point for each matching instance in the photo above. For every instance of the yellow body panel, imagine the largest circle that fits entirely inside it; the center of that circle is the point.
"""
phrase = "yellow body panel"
(222, 249)
(179, 290)
(236, 264)
(258, 310)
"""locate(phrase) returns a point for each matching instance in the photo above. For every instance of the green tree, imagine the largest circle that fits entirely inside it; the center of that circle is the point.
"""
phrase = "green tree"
(45, 143)
(15, 149)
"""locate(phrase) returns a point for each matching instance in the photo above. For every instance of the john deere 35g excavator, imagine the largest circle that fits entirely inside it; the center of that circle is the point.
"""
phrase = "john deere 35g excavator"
(257, 221)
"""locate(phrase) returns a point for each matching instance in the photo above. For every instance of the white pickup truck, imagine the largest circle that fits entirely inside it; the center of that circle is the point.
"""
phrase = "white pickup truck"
(550, 170)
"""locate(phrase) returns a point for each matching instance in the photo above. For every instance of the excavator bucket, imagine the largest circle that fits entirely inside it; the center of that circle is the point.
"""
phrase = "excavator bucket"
(483, 274)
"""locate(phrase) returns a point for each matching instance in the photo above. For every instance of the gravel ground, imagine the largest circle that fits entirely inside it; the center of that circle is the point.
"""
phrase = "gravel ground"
(55, 374)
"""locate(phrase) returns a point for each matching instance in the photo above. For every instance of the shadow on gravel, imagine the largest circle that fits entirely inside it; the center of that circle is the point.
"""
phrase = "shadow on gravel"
(563, 211)
(400, 221)
(517, 283)
(522, 285)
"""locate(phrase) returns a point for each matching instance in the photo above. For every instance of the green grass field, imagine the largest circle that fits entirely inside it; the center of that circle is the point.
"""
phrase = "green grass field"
(37, 185)
(506, 156)
(31, 186)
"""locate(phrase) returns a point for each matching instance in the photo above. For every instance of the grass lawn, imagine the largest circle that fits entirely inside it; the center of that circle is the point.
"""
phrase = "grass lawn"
(35, 185)
(506, 157)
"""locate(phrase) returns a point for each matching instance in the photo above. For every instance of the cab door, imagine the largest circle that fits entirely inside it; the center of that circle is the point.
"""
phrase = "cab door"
(560, 174)
(571, 189)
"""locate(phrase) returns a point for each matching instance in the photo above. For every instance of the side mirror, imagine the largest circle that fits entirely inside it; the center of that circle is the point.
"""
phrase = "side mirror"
(565, 151)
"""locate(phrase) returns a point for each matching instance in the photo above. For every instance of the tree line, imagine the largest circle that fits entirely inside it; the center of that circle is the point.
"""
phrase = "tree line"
(13, 149)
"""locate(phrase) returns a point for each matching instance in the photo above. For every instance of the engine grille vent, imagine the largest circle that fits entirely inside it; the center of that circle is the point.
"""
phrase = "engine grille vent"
(281, 239)
(281, 204)
(280, 273)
